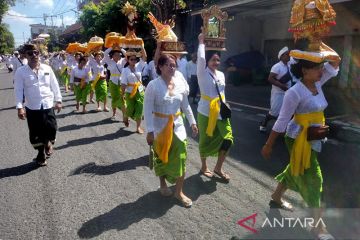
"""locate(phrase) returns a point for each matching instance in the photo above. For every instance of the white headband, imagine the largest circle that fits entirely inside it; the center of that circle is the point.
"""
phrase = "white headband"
(282, 51)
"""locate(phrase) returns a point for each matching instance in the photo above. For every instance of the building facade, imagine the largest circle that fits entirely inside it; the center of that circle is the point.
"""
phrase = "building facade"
(262, 25)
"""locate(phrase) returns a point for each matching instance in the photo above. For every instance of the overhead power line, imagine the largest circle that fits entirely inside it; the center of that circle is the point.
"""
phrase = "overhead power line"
(54, 15)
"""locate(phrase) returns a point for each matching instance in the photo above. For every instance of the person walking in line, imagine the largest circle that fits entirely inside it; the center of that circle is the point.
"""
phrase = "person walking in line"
(215, 132)
(165, 98)
(132, 87)
(79, 79)
(192, 78)
(302, 120)
(99, 80)
(280, 79)
(115, 63)
(37, 82)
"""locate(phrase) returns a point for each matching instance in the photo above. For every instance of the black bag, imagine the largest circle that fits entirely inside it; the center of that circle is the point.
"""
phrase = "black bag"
(318, 133)
(286, 78)
(225, 110)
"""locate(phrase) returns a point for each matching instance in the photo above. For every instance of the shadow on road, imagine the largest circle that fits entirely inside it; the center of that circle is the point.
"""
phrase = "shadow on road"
(93, 169)
(91, 124)
(85, 141)
(151, 205)
(4, 89)
(18, 170)
(8, 108)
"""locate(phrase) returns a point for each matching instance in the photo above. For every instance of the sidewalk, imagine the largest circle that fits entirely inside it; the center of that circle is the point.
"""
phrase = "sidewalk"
(346, 128)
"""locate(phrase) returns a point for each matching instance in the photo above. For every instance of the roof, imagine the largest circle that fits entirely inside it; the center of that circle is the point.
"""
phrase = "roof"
(72, 29)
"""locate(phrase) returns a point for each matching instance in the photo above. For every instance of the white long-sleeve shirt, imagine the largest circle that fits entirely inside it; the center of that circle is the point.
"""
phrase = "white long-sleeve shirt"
(299, 99)
(152, 70)
(96, 68)
(207, 83)
(17, 63)
(115, 68)
(40, 89)
(181, 66)
(128, 76)
(79, 73)
(158, 99)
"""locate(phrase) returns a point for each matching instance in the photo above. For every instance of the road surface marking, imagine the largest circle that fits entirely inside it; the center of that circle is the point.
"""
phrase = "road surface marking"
(248, 106)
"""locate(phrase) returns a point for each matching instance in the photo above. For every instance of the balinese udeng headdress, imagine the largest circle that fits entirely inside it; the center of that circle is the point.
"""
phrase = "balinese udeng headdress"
(311, 20)
(282, 51)
(165, 34)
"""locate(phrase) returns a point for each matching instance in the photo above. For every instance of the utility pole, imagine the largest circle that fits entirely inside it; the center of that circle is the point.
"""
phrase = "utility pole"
(45, 17)
(62, 20)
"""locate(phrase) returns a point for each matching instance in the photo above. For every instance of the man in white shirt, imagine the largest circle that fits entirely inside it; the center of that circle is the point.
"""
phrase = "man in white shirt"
(8, 63)
(152, 70)
(18, 60)
(192, 78)
(281, 80)
(37, 82)
(181, 65)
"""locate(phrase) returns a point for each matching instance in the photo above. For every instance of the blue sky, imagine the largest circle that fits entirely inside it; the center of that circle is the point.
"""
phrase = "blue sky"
(19, 24)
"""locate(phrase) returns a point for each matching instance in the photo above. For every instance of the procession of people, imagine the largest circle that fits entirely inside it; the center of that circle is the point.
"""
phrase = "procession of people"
(157, 97)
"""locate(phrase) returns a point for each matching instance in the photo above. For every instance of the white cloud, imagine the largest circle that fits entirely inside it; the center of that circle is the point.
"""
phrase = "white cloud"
(68, 20)
(13, 17)
(43, 3)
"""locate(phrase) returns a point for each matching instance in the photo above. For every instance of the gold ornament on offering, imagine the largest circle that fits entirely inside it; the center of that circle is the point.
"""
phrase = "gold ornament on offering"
(166, 35)
(130, 40)
(311, 20)
(164, 31)
(95, 44)
(72, 47)
(83, 48)
(111, 39)
(213, 28)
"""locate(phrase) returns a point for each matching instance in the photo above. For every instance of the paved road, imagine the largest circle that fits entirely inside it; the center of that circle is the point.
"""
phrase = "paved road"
(97, 184)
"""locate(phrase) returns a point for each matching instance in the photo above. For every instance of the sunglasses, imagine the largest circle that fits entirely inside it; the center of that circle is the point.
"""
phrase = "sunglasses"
(173, 66)
(32, 52)
(132, 59)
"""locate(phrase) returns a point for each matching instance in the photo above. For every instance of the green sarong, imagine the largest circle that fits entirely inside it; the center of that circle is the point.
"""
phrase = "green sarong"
(116, 100)
(309, 185)
(101, 90)
(135, 105)
(64, 78)
(175, 167)
(81, 94)
(210, 146)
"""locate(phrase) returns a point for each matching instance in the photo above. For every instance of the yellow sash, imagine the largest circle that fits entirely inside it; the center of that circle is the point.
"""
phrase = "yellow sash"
(63, 69)
(135, 88)
(301, 151)
(93, 84)
(213, 113)
(115, 75)
(163, 140)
